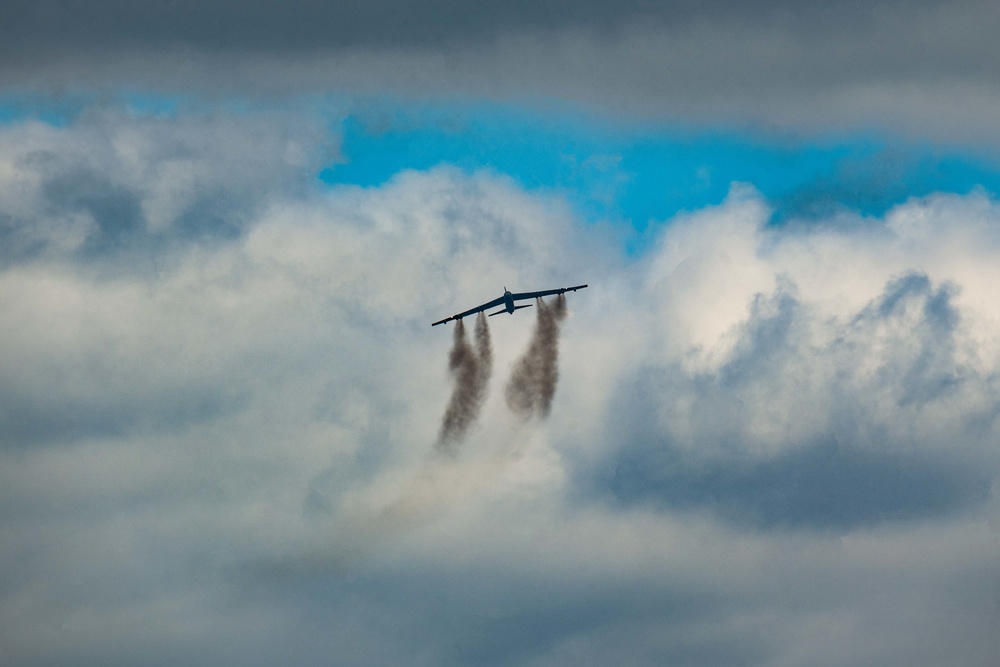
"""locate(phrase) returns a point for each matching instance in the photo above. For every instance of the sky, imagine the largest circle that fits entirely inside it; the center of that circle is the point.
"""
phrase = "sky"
(225, 230)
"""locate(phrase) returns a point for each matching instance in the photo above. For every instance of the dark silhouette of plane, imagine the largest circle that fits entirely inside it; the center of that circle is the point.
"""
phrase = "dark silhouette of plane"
(507, 301)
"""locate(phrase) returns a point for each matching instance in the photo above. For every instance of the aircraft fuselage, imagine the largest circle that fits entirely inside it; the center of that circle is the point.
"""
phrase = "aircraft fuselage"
(508, 301)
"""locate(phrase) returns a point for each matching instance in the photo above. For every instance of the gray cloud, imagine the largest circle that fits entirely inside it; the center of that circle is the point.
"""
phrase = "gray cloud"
(260, 25)
(304, 25)
(115, 209)
(827, 486)
(812, 66)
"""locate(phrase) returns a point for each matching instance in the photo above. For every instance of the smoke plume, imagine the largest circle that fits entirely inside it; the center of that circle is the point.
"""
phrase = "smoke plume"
(471, 368)
(533, 382)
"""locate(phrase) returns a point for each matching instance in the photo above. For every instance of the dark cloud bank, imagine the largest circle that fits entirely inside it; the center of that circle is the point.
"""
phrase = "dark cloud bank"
(815, 66)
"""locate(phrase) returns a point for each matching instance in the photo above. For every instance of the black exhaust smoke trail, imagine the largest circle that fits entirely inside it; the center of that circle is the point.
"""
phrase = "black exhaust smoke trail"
(532, 385)
(471, 368)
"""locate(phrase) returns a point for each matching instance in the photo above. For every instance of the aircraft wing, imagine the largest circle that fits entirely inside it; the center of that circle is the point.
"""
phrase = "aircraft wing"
(548, 292)
(471, 311)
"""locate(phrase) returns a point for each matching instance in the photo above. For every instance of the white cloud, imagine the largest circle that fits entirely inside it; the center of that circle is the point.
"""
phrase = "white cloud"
(111, 174)
(768, 444)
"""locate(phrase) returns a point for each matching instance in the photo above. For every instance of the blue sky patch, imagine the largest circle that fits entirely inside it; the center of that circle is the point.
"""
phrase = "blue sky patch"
(54, 110)
(627, 173)
(642, 175)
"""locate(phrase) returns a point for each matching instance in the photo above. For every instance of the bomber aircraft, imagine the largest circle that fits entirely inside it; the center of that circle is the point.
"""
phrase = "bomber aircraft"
(507, 301)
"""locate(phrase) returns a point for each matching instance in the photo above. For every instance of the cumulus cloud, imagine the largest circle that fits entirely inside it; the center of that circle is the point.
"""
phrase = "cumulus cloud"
(770, 444)
(115, 180)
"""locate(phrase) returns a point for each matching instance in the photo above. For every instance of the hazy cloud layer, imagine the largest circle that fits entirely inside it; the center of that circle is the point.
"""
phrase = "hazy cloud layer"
(769, 446)
(919, 68)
